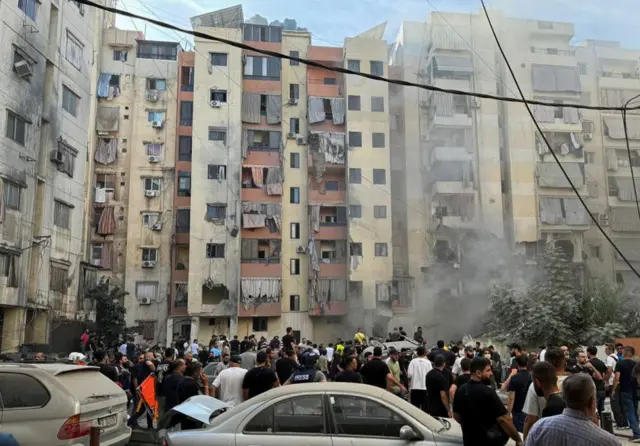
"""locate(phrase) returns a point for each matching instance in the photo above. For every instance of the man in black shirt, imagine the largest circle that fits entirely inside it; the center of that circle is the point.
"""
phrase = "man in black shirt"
(161, 371)
(478, 409)
(234, 345)
(518, 387)
(244, 345)
(438, 390)
(286, 365)
(376, 373)
(545, 383)
(101, 360)
(448, 356)
(288, 341)
(349, 374)
(628, 383)
(601, 368)
(260, 378)
(170, 383)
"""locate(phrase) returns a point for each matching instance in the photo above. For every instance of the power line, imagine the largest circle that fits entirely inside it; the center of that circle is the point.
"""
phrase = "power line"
(555, 157)
(345, 70)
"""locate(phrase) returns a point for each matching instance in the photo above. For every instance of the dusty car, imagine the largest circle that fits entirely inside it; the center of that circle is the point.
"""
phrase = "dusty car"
(317, 415)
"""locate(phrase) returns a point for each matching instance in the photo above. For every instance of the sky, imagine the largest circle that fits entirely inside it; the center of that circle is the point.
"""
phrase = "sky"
(330, 21)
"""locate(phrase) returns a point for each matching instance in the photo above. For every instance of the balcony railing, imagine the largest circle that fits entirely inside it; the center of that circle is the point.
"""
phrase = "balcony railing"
(268, 261)
(552, 51)
(264, 149)
(181, 302)
(619, 75)
(333, 261)
(333, 224)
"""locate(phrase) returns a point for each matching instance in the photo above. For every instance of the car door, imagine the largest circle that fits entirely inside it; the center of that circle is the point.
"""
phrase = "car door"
(288, 421)
(360, 421)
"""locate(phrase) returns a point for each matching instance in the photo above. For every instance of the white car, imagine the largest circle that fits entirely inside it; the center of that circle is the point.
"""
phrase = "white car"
(317, 414)
(57, 404)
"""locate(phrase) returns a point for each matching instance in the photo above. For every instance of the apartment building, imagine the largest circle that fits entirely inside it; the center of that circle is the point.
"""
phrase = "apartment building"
(133, 178)
(45, 119)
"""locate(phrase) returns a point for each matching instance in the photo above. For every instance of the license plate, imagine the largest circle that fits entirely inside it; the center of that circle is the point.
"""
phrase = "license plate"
(109, 421)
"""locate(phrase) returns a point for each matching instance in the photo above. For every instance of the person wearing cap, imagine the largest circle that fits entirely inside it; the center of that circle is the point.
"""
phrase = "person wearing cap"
(307, 372)
(227, 386)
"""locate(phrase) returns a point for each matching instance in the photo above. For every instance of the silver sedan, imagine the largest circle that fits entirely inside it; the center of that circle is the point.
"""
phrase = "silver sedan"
(327, 414)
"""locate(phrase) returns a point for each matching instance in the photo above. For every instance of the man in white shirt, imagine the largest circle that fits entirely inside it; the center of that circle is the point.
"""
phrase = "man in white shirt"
(330, 351)
(227, 386)
(123, 348)
(417, 374)
(195, 347)
(469, 352)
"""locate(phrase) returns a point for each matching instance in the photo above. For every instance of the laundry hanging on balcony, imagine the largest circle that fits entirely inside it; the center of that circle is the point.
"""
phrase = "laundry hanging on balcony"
(570, 115)
(268, 209)
(106, 151)
(257, 174)
(325, 291)
(331, 145)
(102, 90)
(106, 256)
(274, 109)
(107, 222)
(107, 119)
(256, 291)
(544, 113)
(274, 181)
(314, 263)
(337, 110)
(251, 108)
(314, 217)
(253, 221)
(316, 110)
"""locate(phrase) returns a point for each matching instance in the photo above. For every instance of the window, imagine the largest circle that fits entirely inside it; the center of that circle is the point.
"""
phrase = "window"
(106, 181)
(12, 195)
(294, 195)
(184, 184)
(379, 176)
(22, 391)
(332, 185)
(294, 160)
(218, 95)
(294, 303)
(262, 67)
(262, 33)
(183, 220)
(29, 7)
(594, 252)
(186, 113)
(120, 55)
(61, 215)
(70, 101)
(377, 103)
(147, 290)
(380, 249)
(294, 125)
(156, 84)
(153, 184)
(355, 211)
(330, 81)
(294, 63)
(376, 68)
(153, 116)
(73, 51)
(216, 212)
(215, 250)
(379, 212)
(264, 140)
(353, 65)
(355, 175)
(218, 59)
(149, 254)
(297, 415)
(353, 103)
(184, 148)
(355, 139)
(157, 50)
(260, 324)
(149, 219)
(217, 172)
(58, 278)
(16, 128)
(294, 91)
(187, 78)
(355, 249)
(294, 266)
(294, 231)
(362, 417)
(218, 134)
(377, 140)
(96, 253)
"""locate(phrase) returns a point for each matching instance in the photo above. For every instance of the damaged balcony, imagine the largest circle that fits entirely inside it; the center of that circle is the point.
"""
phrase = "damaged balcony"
(260, 258)
(262, 183)
(559, 119)
(329, 191)
(326, 114)
(451, 178)
(261, 220)
(328, 297)
(261, 147)
(614, 130)
(331, 257)
(563, 214)
(454, 212)
(216, 301)
(401, 301)
(451, 110)
(328, 222)
(550, 175)
(451, 71)
(326, 153)
(260, 296)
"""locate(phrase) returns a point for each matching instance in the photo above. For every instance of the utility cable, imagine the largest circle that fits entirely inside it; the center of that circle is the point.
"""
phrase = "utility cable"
(555, 156)
(345, 70)
(626, 139)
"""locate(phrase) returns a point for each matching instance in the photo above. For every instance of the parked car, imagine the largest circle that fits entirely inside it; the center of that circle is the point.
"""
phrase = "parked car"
(57, 404)
(316, 415)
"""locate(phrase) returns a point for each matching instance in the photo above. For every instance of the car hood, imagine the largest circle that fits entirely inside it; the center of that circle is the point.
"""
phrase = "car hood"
(454, 431)
(200, 407)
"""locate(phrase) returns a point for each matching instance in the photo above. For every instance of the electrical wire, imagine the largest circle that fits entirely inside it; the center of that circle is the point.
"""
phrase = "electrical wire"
(555, 156)
(312, 63)
(626, 138)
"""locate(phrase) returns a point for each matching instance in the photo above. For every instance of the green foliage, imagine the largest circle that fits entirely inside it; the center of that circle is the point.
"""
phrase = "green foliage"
(110, 312)
(555, 308)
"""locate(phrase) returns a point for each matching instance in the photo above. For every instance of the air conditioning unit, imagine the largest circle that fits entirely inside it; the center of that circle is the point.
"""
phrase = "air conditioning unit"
(152, 95)
(157, 227)
(293, 101)
(157, 124)
(587, 136)
(57, 156)
(148, 264)
(215, 104)
(291, 135)
(301, 250)
(23, 69)
(154, 159)
(151, 193)
(302, 141)
(145, 301)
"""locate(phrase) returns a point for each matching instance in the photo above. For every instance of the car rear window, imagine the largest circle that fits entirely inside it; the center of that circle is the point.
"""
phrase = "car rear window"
(88, 384)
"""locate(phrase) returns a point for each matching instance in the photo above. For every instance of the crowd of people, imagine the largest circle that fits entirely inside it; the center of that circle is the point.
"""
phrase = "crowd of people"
(552, 394)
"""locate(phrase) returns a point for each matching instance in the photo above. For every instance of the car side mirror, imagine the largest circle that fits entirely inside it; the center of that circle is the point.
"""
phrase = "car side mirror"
(407, 433)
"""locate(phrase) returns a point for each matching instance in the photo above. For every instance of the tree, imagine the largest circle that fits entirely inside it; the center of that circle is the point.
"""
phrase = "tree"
(110, 313)
(556, 308)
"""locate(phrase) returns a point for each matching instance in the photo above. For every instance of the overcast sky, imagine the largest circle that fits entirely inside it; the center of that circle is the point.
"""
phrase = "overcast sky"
(330, 21)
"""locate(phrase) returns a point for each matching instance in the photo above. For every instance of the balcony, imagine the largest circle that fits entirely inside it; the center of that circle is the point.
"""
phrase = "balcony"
(260, 297)
(260, 267)
(452, 188)
(619, 80)
(458, 222)
(327, 297)
(332, 222)
(333, 308)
